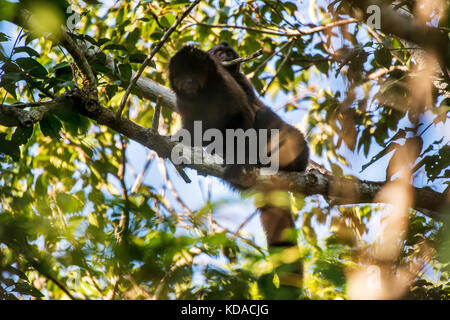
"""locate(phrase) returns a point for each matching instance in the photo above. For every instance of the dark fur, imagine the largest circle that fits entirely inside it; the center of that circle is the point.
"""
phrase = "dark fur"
(206, 91)
(294, 151)
(225, 99)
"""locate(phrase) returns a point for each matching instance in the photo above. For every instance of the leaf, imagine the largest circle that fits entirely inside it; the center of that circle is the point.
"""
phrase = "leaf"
(25, 288)
(60, 65)
(21, 135)
(41, 185)
(73, 122)
(125, 71)
(9, 148)
(4, 37)
(111, 90)
(137, 57)
(31, 52)
(168, 20)
(132, 38)
(115, 47)
(32, 67)
(333, 272)
(383, 57)
(68, 203)
(50, 127)
(10, 87)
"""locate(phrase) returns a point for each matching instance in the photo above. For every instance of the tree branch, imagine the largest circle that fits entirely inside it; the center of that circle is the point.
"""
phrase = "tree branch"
(310, 182)
(243, 59)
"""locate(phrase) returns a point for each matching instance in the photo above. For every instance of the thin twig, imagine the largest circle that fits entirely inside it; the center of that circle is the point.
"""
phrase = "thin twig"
(71, 67)
(138, 182)
(60, 285)
(88, 77)
(156, 115)
(172, 188)
(152, 54)
(242, 59)
(247, 220)
(268, 59)
(26, 105)
(381, 72)
(279, 68)
(122, 229)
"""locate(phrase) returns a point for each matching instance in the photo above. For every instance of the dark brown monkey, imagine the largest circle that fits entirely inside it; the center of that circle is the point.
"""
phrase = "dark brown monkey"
(207, 92)
(293, 149)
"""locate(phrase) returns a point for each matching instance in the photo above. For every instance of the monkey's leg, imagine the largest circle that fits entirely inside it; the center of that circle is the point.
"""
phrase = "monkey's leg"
(278, 225)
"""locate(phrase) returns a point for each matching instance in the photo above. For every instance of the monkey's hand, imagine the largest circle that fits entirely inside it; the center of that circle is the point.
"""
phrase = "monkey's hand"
(241, 176)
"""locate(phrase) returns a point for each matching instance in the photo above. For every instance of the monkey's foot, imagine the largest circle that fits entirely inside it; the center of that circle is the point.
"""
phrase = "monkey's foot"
(241, 176)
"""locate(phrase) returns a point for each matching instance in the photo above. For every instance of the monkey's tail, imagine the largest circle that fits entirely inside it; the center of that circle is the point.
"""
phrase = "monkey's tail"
(278, 225)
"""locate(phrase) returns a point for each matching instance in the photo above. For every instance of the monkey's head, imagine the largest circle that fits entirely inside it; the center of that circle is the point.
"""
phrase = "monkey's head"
(224, 52)
(190, 69)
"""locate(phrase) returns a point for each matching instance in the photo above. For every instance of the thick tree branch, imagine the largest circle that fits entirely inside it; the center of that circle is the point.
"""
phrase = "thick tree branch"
(341, 190)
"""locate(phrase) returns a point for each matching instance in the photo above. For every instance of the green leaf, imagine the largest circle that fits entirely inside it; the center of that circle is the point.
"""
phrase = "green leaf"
(4, 37)
(168, 20)
(383, 57)
(68, 203)
(125, 71)
(132, 38)
(31, 52)
(73, 122)
(333, 272)
(137, 57)
(50, 127)
(21, 135)
(60, 65)
(32, 67)
(111, 90)
(10, 87)
(9, 148)
(25, 288)
(115, 47)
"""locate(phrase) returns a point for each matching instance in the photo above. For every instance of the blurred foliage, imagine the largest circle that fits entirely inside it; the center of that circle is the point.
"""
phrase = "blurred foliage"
(64, 200)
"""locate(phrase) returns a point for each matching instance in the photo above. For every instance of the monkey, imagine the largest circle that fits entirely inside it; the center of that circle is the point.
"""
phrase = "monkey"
(225, 52)
(293, 149)
(208, 92)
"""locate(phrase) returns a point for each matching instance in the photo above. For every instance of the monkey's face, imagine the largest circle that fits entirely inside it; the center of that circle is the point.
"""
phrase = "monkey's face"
(189, 70)
(224, 52)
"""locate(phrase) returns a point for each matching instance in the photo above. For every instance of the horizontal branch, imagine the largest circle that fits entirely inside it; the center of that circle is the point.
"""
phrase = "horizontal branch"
(15, 115)
(310, 182)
